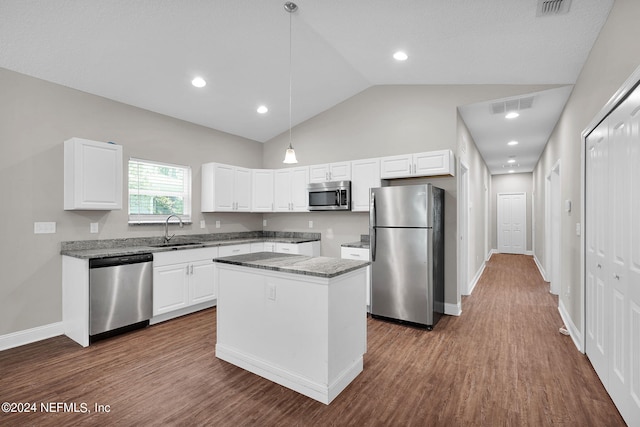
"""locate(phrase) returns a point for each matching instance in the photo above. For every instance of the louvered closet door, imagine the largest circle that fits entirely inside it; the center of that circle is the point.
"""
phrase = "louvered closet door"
(598, 295)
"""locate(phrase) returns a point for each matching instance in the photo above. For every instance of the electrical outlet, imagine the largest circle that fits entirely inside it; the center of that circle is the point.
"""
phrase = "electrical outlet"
(271, 291)
(577, 229)
(217, 224)
(44, 227)
(94, 227)
(264, 222)
(202, 224)
(310, 224)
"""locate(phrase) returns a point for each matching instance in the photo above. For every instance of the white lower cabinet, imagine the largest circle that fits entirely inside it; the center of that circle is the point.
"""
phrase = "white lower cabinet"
(183, 282)
(231, 250)
(359, 254)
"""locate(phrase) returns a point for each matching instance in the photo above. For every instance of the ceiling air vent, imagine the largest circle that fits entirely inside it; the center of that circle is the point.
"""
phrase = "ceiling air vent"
(512, 105)
(552, 7)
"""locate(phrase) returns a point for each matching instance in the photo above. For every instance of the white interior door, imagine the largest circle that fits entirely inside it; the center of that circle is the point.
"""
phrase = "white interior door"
(596, 250)
(512, 218)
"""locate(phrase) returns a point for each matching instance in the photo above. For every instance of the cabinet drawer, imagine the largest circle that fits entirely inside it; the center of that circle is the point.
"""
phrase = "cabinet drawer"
(354, 253)
(231, 250)
(184, 255)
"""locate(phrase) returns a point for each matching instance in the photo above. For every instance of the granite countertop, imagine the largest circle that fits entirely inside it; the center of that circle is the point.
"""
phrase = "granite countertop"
(325, 267)
(91, 249)
(363, 243)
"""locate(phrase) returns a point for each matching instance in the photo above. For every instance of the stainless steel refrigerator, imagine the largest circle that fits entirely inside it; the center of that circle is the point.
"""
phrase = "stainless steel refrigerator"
(406, 226)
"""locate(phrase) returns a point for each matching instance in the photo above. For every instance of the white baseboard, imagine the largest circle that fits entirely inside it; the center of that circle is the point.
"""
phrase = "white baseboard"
(182, 312)
(452, 309)
(574, 333)
(28, 336)
(543, 273)
(476, 278)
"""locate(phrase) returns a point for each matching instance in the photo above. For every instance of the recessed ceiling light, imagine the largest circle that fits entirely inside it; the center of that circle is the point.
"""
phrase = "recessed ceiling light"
(511, 161)
(512, 143)
(400, 56)
(511, 115)
(262, 109)
(198, 82)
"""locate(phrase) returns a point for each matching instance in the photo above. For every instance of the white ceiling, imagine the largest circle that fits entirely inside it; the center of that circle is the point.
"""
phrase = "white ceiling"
(145, 53)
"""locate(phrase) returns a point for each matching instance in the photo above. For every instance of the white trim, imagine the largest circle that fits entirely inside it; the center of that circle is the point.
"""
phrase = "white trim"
(453, 309)
(319, 391)
(182, 312)
(28, 336)
(476, 278)
(491, 253)
(575, 334)
(543, 273)
(463, 227)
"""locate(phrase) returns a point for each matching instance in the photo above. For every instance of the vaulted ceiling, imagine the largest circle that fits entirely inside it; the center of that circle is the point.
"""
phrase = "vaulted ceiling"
(146, 52)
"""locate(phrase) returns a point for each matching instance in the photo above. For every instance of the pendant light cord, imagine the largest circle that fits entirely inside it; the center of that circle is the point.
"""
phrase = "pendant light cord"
(290, 76)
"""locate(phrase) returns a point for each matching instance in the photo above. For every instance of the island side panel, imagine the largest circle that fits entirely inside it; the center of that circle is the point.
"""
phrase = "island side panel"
(347, 323)
(276, 321)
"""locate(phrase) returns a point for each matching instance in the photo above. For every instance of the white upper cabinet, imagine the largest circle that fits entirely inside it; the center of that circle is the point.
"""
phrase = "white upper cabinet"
(365, 174)
(225, 188)
(330, 172)
(431, 163)
(290, 189)
(262, 190)
(92, 175)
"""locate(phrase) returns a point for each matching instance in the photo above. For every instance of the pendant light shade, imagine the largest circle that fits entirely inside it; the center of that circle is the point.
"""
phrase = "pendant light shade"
(290, 155)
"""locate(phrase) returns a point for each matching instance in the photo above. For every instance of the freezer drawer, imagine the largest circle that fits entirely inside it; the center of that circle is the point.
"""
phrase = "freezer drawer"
(402, 286)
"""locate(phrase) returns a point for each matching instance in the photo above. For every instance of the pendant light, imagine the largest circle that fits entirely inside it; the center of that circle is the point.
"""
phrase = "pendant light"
(290, 155)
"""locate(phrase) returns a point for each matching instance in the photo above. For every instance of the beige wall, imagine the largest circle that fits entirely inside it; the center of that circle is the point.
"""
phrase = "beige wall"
(35, 118)
(511, 183)
(389, 120)
(614, 56)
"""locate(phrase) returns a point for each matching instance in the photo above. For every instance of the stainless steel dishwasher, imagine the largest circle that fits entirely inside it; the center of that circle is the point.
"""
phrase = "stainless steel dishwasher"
(120, 294)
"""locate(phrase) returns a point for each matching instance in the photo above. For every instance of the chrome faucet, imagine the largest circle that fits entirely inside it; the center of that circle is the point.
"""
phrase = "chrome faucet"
(166, 228)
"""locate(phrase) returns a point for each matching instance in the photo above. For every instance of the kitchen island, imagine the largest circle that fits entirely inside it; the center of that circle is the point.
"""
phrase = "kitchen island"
(296, 320)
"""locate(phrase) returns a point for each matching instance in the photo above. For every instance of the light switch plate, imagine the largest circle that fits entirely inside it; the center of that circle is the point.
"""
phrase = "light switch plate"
(202, 224)
(217, 224)
(44, 227)
(264, 222)
(94, 227)
(310, 224)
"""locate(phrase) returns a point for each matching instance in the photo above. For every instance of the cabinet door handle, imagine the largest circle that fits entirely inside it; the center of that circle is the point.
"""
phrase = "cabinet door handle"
(355, 255)
(191, 269)
(615, 276)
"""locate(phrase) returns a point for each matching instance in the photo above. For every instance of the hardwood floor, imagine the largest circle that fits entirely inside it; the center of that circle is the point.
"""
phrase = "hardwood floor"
(502, 363)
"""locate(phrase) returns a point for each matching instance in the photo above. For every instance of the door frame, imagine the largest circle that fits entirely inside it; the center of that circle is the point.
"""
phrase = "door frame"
(463, 230)
(553, 243)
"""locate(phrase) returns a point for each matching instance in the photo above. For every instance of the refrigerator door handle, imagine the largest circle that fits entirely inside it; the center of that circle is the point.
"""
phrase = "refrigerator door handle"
(372, 227)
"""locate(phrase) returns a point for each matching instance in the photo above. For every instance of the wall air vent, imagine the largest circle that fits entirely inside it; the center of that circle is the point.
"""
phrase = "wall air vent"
(552, 7)
(518, 104)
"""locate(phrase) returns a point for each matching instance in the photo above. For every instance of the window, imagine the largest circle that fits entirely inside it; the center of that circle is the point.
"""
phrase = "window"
(157, 190)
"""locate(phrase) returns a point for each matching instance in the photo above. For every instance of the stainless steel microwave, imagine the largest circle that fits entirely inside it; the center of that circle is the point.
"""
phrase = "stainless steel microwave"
(330, 196)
